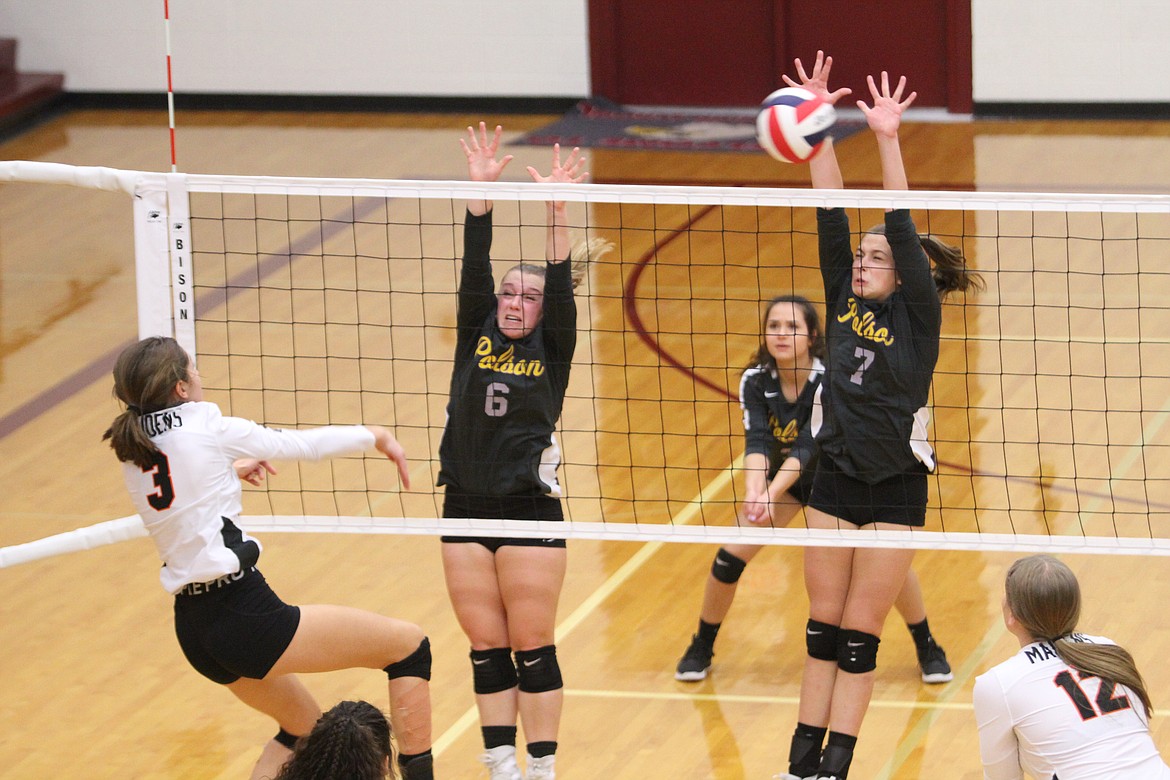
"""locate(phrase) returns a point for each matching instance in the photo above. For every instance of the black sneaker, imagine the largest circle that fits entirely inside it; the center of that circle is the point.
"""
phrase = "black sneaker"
(933, 662)
(695, 662)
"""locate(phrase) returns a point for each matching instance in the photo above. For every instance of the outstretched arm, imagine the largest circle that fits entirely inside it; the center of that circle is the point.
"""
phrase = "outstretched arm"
(823, 167)
(482, 164)
(884, 118)
(571, 170)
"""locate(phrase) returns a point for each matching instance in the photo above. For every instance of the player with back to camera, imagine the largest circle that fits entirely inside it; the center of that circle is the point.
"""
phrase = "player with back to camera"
(776, 392)
(1068, 705)
(182, 461)
(884, 319)
(513, 352)
(351, 741)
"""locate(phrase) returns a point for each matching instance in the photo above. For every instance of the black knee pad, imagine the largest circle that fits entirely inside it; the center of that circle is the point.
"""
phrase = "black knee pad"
(857, 652)
(417, 664)
(821, 640)
(538, 669)
(727, 567)
(286, 739)
(492, 670)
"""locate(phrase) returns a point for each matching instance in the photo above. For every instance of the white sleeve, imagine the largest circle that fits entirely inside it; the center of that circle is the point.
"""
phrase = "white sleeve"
(997, 740)
(242, 438)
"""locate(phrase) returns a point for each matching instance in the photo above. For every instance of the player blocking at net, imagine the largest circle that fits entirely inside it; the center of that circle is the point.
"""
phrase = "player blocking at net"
(883, 326)
(182, 461)
(777, 392)
(499, 459)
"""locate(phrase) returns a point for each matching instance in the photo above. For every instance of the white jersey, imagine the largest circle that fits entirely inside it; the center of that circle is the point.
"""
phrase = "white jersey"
(1039, 716)
(190, 500)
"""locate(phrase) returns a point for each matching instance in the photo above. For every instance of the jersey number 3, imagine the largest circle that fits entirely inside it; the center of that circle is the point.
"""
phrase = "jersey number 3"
(165, 495)
(1106, 701)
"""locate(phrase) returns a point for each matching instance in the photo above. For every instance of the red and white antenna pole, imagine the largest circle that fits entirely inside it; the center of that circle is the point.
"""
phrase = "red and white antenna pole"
(170, 84)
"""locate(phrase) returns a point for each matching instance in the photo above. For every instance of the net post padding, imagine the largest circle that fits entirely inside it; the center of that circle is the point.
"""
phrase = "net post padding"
(90, 177)
(87, 538)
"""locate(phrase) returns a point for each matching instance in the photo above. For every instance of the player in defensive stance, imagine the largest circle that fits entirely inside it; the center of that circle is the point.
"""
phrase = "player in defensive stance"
(182, 461)
(1068, 705)
(777, 392)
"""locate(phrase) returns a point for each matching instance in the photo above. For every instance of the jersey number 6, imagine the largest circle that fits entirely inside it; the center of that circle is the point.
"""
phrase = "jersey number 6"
(496, 403)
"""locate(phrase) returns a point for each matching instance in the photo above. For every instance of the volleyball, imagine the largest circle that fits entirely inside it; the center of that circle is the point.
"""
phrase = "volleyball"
(793, 123)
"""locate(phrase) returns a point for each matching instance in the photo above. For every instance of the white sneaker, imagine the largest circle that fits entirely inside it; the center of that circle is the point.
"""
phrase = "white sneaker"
(543, 768)
(501, 763)
(787, 776)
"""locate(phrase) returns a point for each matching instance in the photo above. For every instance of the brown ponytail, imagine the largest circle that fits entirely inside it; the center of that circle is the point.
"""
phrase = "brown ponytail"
(948, 266)
(145, 376)
(1045, 598)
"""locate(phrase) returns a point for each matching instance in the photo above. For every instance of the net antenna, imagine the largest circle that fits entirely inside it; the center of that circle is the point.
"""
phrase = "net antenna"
(170, 84)
(331, 301)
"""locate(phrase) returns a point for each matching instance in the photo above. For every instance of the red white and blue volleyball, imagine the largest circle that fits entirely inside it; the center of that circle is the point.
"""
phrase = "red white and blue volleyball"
(793, 124)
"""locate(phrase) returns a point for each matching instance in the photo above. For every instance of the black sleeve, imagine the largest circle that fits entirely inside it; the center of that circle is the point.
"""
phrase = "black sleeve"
(757, 434)
(918, 288)
(560, 312)
(836, 252)
(804, 447)
(476, 286)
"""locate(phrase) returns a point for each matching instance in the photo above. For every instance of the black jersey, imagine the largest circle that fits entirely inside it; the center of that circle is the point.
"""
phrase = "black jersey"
(881, 354)
(506, 395)
(773, 425)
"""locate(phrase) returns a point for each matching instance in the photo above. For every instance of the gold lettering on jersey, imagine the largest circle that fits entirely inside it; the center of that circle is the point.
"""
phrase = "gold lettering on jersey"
(786, 434)
(505, 362)
(863, 325)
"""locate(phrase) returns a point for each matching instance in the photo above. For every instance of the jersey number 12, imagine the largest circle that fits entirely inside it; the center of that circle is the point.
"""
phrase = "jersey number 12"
(1106, 701)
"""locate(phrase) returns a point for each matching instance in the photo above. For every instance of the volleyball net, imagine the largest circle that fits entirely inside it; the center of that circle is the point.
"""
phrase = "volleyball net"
(311, 302)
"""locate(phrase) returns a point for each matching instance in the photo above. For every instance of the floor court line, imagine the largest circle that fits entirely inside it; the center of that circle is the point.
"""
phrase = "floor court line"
(917, 735)
(739, 698)
(595, 599)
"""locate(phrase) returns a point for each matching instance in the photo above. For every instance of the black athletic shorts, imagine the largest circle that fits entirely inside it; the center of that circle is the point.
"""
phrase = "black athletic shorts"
(461, 505)
(900, 499)
(230, 629)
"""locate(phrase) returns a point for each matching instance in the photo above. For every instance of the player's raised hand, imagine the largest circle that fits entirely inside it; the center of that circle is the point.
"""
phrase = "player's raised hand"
(817, 82)
(885, 116)
(481, 152)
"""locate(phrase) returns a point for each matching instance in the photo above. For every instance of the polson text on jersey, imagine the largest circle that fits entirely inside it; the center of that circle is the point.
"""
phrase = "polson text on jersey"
(864, 326)
(504, 362)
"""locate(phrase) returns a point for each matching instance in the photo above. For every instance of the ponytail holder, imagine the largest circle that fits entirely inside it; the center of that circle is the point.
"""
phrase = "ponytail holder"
(132, 408)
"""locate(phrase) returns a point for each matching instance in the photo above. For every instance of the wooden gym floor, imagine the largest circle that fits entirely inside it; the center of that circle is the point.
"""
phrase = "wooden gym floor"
(94, 683)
